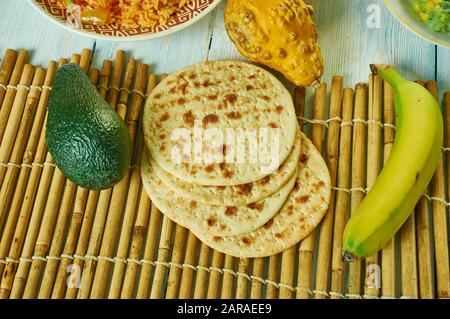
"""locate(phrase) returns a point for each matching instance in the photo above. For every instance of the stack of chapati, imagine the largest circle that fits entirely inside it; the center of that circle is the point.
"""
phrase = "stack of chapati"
(244, 197)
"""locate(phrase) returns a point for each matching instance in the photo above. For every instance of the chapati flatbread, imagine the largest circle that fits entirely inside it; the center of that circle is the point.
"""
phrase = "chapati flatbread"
(219, 98)
(237, 195)
(211, 219)
(302, 212)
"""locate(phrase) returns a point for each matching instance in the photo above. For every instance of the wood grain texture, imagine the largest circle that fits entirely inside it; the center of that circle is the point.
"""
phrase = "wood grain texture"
(349, 45)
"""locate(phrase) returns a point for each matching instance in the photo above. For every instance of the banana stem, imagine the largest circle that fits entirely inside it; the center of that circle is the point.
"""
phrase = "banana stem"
(349, 257)
(388, 73)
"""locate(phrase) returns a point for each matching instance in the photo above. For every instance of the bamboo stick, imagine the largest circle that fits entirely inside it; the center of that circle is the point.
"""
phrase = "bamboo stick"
(177, 257)
(257, 286)
(342, 198)
(425, 271)
(149, 253)
(46, 232)
(75, 58)
(12, 90)
(202, 274)
(12, 126)
(272, 291)
(388, 277)
(135, 186)
(85, 59)
(24, 204)
(242, 281)
(163, 255)
(48, 229)
(443, 250)
(9, 187)
(288, 256)
(96, 229)
(103, 80)
(439, 217)
(51, 268)
(44, 236)
(18, 282)
(113, 94)
(306, 249)
(371, 289)
(27, 183)
(133, 193)
(23, 149)
(165, 245)
(409, 261)
(14, 283)
(409, 258)
(358, 178)
(85, 218)
(119, 194)
(287, 273)
(6, 71)
(142, 219)
(228, 278)
(42, 233)
(214, 277)
(326, 228)
(140, 228)
(188, 273)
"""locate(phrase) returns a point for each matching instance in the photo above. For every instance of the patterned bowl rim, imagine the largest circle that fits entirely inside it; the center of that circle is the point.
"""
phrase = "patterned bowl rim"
(139, 37)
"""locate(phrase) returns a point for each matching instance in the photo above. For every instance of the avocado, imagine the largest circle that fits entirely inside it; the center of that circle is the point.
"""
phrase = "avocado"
(86, 137)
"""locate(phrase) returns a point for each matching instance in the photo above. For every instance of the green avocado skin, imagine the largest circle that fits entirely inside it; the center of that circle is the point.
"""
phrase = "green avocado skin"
(87, 139)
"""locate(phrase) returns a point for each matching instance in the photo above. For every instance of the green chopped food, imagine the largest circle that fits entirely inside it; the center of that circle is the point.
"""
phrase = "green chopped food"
(435, 14)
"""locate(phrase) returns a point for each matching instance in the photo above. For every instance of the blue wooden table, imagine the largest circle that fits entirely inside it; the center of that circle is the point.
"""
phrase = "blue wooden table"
(352, 35)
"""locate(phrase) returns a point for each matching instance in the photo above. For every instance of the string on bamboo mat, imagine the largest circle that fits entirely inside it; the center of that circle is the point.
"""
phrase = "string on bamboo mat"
(46, 87)
(210, 269)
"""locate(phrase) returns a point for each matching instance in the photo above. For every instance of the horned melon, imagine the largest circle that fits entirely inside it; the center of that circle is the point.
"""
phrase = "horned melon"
(279, 34)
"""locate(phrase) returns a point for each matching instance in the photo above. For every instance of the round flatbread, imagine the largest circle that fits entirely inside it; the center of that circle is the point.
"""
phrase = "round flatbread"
(220, 123)
(211, 219)
(302, 212)
(237, 195)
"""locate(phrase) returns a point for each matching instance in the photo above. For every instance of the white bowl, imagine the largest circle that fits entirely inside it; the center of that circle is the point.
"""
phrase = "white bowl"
(402, 10)
(191, 13)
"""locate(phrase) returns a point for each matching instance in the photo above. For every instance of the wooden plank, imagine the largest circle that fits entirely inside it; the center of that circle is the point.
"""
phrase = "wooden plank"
(443, 69)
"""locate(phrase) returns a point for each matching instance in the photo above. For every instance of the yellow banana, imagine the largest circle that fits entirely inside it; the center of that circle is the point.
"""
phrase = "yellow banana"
(413, 160)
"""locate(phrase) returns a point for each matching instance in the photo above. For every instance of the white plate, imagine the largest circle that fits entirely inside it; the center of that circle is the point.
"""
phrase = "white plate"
(402, 10)
(193, 13)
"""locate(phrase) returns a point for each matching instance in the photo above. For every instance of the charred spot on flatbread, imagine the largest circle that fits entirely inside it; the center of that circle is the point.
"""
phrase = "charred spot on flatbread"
(235, 115)
(164, 117)
(246, 240)
(189, 118)
(244, 189)
(304, 158)
(211, 221)
(210, 118)
(231, 211)
(268, 224)
(302, 199)
(256, 206)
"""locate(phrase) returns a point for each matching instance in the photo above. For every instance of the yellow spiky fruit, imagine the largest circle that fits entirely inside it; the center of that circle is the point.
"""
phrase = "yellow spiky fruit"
(279, 34)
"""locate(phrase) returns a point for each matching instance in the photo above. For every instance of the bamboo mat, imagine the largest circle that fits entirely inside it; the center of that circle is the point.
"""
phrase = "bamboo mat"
(62, 241)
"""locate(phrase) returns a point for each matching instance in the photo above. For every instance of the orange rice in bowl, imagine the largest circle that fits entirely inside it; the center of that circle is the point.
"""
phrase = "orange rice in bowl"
(131, 13)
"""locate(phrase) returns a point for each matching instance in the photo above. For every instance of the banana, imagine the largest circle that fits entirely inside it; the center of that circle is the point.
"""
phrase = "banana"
(413, 160)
